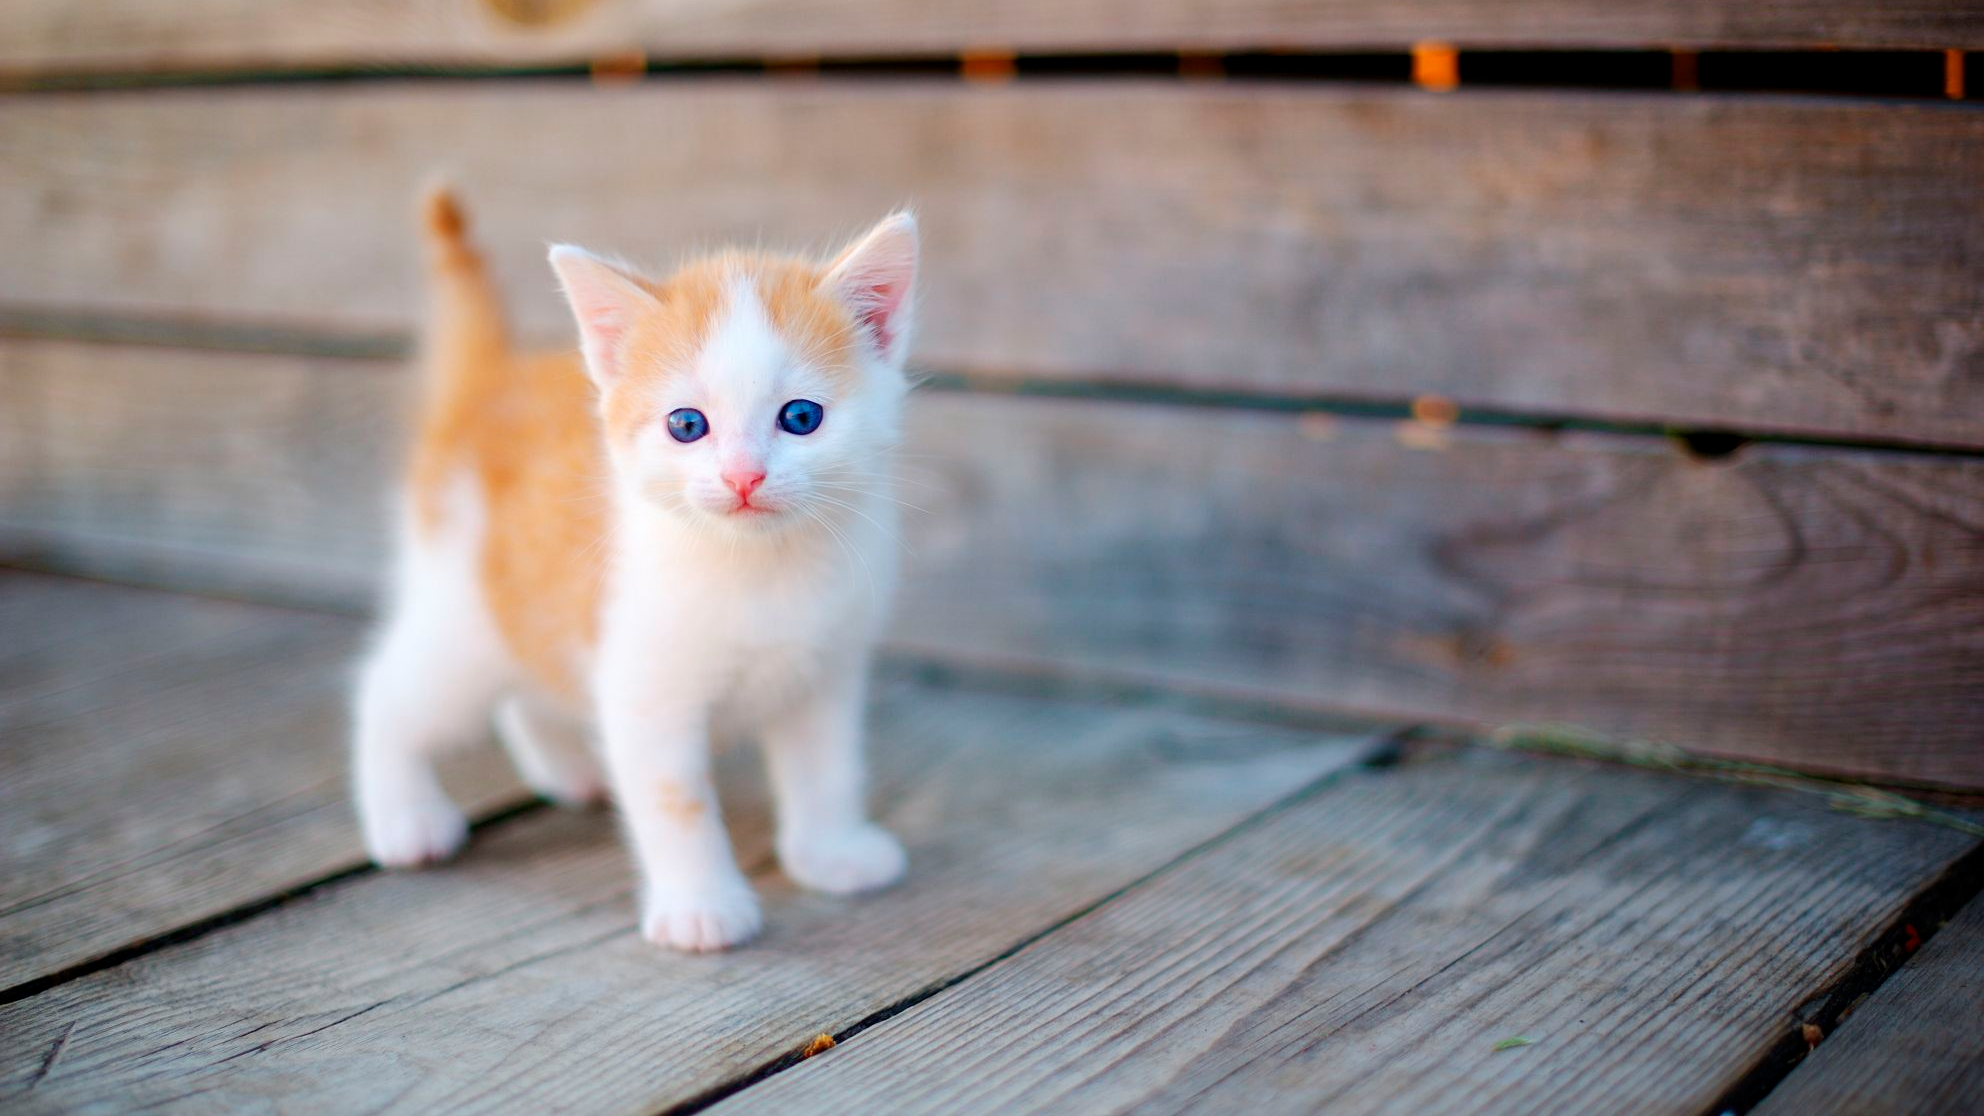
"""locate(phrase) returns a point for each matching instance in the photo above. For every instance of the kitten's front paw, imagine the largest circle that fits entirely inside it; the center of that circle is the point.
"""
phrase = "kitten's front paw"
(865, 858)
(702, 921)
(410, 834)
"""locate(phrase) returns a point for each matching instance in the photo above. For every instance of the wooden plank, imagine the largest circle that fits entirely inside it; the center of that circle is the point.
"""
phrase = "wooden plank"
(1364, 951)
(249, 474)
(43, 36)
(1915, 1048)
(1820, 609)
(167, 759)
(1765, 263)
(60, 632)
(514, 980)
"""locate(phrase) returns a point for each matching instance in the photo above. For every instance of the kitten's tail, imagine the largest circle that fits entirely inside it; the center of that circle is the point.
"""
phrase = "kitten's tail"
(466, 335)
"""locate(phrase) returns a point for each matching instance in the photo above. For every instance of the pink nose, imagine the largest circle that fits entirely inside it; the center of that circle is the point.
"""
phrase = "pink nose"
(743, 483)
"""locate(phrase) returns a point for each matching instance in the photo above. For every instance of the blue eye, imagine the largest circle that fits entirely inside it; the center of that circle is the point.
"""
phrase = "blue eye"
(686, 424)
(801, 416)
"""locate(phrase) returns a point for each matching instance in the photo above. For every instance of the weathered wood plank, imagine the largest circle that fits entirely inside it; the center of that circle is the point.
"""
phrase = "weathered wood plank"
(1821, 609)
(1364, 950)
(1915, 1048)
(1770, 263)
(40, 36)
(61, 632)
(1824, 610)
(166, 759)
(514, 980)
(247, 473)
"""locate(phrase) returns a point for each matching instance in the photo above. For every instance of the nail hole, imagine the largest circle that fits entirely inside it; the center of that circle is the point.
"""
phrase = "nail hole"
(1710, 445)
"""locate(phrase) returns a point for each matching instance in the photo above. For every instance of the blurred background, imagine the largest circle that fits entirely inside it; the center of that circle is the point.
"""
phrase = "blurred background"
(1612, 366)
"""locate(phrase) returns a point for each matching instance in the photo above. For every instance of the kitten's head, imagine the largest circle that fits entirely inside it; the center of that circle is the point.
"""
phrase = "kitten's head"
(748, 391)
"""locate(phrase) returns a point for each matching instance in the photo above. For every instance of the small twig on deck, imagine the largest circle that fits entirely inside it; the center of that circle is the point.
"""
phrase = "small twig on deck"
(1851, 798)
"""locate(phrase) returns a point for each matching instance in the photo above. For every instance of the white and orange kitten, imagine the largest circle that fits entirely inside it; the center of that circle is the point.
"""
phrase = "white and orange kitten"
(691, 539)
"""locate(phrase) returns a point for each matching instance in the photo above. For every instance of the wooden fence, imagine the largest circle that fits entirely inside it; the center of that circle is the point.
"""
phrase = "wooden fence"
(1652, 412)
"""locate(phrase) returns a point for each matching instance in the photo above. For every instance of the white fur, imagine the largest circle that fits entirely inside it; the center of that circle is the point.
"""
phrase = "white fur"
(713, 625)
(427, 686)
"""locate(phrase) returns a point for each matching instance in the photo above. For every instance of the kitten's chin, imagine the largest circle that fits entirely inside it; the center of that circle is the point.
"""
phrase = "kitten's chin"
(751, 519)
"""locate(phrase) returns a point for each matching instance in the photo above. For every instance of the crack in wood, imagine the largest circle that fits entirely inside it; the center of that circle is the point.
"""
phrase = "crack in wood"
(54, 1052)
(1915, 924)
(230, 917)
(1380, 755)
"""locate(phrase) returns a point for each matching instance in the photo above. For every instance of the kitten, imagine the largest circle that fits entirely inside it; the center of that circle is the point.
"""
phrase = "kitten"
(683, 536)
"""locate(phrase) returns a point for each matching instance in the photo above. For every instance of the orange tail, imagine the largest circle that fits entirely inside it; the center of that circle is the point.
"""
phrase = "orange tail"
(466, 334)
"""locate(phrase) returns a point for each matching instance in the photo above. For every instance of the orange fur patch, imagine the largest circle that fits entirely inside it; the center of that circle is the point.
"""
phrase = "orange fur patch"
(679, 805)
(527, 430)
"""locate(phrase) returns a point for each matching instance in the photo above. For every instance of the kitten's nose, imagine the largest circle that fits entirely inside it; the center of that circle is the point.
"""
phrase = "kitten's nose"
(743, 483)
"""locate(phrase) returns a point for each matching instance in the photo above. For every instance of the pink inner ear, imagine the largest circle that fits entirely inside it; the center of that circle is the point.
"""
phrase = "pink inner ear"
(878, 314)
(603, 327)
(604, 322)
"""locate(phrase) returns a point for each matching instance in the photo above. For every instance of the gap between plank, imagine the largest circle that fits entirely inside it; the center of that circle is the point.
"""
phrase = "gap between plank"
(1697, 440)
(232, 916)
(1919, 919)
(1917, 73)
(1385, 753)
(1701, 440)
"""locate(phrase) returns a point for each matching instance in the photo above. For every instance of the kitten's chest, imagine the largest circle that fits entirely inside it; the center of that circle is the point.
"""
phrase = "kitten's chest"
(741, 635)
(756, 655)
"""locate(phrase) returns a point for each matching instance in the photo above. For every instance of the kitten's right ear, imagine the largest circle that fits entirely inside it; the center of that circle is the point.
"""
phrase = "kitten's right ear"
(605, 300)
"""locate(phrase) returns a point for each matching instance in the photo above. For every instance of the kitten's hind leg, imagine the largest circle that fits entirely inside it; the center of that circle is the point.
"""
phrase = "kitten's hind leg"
(427, 686)
(550, 751)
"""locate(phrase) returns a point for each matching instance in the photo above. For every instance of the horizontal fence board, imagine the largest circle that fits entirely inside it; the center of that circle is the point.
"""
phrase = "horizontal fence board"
(41, 36)
(513, 979)
(1824, 609)
(168, 759)
(1365, 950)
(1772, 264)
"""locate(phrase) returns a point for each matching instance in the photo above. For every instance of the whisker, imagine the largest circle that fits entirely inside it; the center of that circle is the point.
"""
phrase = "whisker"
(879, 526)
(867, 570)
(860, 491)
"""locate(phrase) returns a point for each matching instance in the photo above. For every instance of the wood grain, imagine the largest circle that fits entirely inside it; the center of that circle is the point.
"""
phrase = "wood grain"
(42, 36)
(1915, 1047)
(1820, 609)
(1765, 263)
(1364, 951)
(167, 759)
(514, 980)
(251, 474)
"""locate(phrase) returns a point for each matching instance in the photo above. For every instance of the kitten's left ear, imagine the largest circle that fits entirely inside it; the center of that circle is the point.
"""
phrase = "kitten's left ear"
(876, 278)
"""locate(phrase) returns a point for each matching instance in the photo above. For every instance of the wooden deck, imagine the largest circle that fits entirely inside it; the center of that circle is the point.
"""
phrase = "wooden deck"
(1115, 902)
